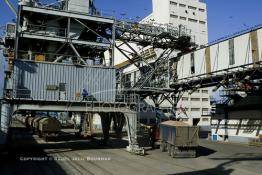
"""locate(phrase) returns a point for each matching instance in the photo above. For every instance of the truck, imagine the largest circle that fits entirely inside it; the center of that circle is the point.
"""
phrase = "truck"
(179, 139)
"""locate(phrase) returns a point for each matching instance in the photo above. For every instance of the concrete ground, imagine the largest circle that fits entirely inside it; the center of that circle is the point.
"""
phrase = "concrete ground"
(81, 157)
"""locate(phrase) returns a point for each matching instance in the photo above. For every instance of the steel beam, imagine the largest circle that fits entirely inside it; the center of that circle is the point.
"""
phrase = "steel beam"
(67, 14)
(61, 39)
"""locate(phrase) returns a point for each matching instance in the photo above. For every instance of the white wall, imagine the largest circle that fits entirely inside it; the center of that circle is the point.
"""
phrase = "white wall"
(259, 33)
(160, 11)
(220, 56)
(241, 131)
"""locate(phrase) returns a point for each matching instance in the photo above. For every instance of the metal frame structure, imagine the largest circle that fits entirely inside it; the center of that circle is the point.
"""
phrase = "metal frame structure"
(53, 33)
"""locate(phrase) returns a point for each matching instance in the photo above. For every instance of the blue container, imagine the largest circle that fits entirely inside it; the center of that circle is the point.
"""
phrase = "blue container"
(214, 137)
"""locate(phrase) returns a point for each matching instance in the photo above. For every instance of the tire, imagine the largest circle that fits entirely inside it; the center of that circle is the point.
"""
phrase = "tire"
(163, 146)
(173, 151)
(168, 149)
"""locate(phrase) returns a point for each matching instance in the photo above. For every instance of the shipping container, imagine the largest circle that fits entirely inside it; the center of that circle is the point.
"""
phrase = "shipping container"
(58, 81)
(179, 139)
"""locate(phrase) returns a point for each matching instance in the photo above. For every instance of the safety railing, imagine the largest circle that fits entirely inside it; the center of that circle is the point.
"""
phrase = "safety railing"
(56, 95)
(127, 98)
(60, 58)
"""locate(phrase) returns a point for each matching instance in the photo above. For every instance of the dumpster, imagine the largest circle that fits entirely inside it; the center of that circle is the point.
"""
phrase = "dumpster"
(179, 139)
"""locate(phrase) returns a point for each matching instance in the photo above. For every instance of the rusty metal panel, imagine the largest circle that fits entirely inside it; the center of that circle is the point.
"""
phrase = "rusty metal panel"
(181, 136)
(254, 46)
(208, 60)
(41, 81)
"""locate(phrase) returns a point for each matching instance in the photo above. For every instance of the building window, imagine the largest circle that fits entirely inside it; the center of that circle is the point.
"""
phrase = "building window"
(231, 52)
(202, 22)
(205, 91)
(205, 109)
(182, 5)
(192, 8)
(195, 99)
(184, 98)
(195, 109)
(202, 10)
(173, 3)
(205, 119)
(204, 99)
(192, 63)
(173, 16)
(183, 18)
(192, 20)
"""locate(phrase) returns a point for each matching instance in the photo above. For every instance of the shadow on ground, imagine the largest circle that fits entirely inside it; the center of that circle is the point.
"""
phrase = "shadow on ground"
(225, 167)
(203, 151)
(16, 158)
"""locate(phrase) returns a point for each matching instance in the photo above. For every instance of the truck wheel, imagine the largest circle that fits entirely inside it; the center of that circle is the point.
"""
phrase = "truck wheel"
(163, 147)
(169, 149)
(172, 151)
(194, 153)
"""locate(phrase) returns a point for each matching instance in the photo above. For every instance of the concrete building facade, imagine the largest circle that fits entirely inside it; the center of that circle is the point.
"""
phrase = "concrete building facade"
(194, 107)
(191, 14)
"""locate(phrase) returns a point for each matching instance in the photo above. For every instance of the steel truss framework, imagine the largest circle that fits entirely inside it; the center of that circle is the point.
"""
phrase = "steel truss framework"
(100, 34)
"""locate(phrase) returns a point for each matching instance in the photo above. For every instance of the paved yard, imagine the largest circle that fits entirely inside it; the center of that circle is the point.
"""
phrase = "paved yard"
(85, 157)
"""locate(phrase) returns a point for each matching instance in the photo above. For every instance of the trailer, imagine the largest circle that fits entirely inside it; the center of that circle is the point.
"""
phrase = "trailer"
(179, 139)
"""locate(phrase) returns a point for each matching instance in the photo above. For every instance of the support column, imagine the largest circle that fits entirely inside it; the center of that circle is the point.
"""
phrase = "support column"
(119, 121)
(106, 121)
(131, 124)
(87, 125)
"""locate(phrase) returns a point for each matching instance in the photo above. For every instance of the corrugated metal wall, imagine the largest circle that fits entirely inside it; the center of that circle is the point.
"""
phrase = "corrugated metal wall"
(40, 81)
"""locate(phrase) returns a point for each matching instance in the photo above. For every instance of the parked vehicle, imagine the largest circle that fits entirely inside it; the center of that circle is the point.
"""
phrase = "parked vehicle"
(179, 139)
(43, 126)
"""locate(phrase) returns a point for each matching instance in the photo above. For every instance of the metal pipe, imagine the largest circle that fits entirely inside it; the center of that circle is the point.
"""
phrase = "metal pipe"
(113, 45)
(76, 52)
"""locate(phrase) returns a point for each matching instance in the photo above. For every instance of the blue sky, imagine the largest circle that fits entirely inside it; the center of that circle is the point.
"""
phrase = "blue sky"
(224, 16)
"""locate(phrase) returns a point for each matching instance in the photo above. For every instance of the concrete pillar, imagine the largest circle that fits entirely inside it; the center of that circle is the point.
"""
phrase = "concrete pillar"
(131, 124)
(106, 121)
(87, 125)
(119, 121)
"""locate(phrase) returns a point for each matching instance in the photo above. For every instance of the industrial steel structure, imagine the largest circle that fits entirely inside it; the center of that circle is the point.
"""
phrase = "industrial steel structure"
(55, 54)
